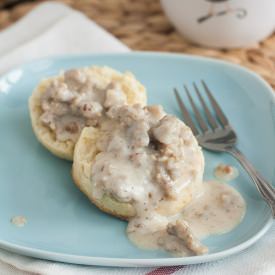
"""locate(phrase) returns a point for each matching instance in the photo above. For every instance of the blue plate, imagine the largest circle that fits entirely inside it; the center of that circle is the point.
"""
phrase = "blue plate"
(62, 224)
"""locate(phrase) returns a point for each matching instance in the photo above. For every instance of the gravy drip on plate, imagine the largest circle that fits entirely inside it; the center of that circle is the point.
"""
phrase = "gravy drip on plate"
(226, 172)
(18, 221)
(152, 161)
(217, 210)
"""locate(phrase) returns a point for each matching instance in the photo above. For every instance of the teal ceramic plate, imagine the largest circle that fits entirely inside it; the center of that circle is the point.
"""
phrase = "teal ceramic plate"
(62, 224)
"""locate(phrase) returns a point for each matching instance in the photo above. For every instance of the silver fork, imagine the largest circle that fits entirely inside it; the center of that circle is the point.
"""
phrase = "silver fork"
(220, 137)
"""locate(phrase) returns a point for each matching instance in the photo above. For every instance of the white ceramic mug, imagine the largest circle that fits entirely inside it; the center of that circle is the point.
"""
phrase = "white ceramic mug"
(222, 23)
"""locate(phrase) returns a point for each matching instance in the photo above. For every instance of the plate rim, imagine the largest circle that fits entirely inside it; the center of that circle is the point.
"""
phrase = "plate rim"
(141, 262)
(131, 262)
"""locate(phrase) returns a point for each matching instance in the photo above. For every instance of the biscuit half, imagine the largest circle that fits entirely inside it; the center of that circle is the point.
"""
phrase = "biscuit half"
(84, 156)
(135, 93)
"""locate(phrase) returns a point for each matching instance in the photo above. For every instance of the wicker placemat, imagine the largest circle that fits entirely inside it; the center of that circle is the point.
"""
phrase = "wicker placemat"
(143, 26)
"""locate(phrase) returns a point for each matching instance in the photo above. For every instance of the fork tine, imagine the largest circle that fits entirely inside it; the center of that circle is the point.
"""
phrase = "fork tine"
(221, 116)
(200, 120)
(209, 116)
(187, 118)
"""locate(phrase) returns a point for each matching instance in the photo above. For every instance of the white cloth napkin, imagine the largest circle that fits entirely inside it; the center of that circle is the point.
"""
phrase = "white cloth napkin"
(53, 29)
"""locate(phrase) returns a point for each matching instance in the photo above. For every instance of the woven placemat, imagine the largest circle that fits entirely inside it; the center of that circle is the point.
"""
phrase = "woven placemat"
(142, 25)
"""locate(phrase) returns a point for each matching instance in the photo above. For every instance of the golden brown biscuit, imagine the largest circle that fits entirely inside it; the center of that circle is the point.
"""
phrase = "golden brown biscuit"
(133, 90)
(87, 153)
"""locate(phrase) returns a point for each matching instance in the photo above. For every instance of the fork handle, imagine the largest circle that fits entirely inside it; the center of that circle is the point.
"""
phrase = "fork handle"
(266, 189)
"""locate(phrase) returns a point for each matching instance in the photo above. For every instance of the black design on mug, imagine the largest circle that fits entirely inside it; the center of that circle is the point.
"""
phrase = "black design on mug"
(240, 12)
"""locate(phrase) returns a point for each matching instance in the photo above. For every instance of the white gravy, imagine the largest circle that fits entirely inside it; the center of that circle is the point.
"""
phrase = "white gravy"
(152, 161)
(76, 100)
(226, 172)
(19, 221)
(217, 210)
